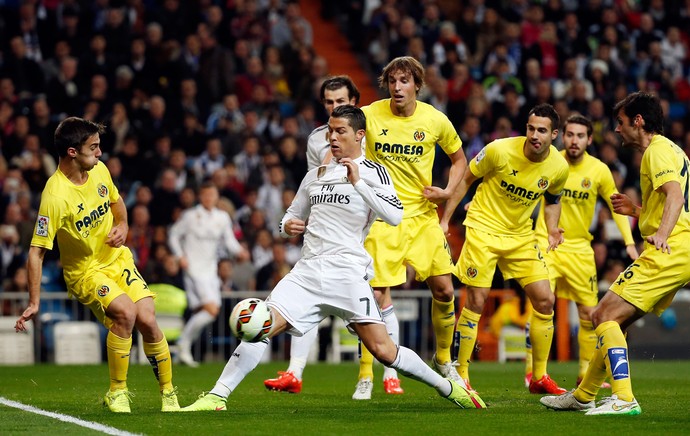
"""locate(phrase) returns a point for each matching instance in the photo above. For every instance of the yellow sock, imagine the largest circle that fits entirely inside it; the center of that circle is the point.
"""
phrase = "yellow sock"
(366, 363)
(587, 343)
(467, 326)
(118, 360)
(443, 320)
(593, 378)
(528, 351)
(541, 335)
(614, 348)
(158, 355)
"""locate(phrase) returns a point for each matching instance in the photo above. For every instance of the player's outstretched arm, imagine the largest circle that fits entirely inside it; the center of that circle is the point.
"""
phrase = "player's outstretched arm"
(669, 217)
(552, 213)
(118, 234)
(467, 180)
(457, 172)
(35, 271)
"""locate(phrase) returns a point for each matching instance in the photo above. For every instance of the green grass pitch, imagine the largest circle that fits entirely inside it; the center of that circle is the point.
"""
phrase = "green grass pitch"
(325, 406)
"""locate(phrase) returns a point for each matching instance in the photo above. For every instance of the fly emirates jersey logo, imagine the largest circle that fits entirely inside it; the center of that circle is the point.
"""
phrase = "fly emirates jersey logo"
(327, 194)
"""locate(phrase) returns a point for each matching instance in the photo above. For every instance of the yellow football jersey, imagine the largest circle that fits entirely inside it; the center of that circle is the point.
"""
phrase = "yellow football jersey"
(511, 186)
(586, 180)
(406, 146)
(662, 162)
(81, 219)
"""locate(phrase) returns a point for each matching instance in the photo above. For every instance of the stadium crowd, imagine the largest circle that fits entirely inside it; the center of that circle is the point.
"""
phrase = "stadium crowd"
(229, 91)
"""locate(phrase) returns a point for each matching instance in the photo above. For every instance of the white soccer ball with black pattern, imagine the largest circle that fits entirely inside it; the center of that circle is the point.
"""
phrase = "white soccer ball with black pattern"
(251, 320)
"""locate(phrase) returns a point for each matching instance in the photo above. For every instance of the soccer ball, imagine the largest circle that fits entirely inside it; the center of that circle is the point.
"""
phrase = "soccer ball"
(251, 320)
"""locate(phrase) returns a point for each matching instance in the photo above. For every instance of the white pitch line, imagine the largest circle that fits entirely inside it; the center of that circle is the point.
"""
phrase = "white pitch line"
(66, 418)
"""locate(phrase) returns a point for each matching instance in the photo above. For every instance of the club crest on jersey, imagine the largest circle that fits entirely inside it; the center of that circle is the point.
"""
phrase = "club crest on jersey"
(103, 291)
(419, 136)
(543, 183)
(42, 225)
(586, 183)
(471, 272)
(321, 171)
(102, 190)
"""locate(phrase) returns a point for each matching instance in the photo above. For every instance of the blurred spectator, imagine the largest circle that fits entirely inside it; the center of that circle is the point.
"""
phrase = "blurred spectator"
(17, 283)
(216, 67)
(244, 273)
(11, 254)
(248, 160)
(270, 274)
(190, 135)
(284, 28)
(262, 251)
(225, 273)
(165, 199)
(210, 161)
(269, 198)
(26, 74)
(140, 234)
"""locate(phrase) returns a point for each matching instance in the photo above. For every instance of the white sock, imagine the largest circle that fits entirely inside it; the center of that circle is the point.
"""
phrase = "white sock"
(411, 365)
(243, 360)
(393, 329)
(299, 351)
(192, 329)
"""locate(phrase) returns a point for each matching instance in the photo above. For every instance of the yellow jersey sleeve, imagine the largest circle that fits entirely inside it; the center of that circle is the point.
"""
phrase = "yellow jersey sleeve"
(79, 216)
(511, 186)
(662, 162)
(406, 146)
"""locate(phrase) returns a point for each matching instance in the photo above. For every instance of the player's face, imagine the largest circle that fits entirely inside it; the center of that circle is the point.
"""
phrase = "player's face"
(575, 140)
(88, 154)
(208, 197)
(337, 97)
(345, 142)
(629, 130)
(539, 137)
(403, 92)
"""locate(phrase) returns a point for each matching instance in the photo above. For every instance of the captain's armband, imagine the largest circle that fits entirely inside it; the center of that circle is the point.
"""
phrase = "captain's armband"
(552, 198)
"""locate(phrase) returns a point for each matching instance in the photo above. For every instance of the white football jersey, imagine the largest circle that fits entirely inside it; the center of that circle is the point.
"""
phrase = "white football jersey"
(339, 213)
(199, 235)
(317, 146)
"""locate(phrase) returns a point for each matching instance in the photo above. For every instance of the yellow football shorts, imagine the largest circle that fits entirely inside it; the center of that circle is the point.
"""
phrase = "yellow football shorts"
(100, 287)
(651, 281)
(573, 276)
(518, 257)
(417, 241)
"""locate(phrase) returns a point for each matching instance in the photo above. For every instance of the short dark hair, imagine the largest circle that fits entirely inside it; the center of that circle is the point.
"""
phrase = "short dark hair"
(354, 115)
(337, 82)
(580, 119)
(73, 132)
(406, 64)
(647, 106)
(547, 111)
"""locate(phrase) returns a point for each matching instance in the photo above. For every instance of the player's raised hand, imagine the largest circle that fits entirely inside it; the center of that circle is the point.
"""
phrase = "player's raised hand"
(117, 235)
(435, 194)
(622, 204)
(294, 227)
(352, 169)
